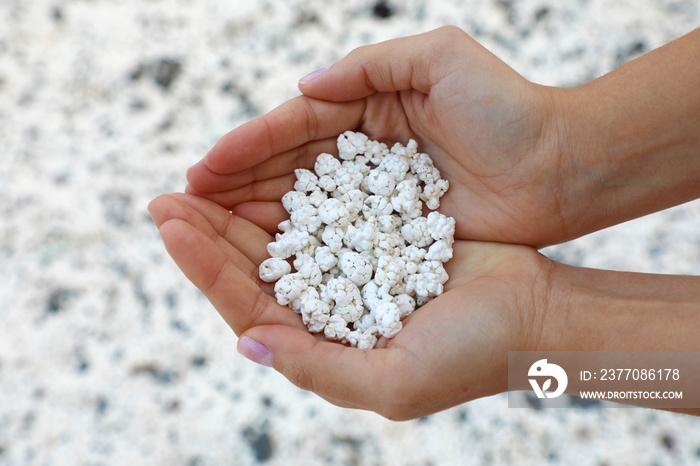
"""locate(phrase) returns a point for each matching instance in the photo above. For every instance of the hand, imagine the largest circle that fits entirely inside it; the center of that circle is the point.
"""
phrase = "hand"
(452, 350)
(499, 140)
(491, 133)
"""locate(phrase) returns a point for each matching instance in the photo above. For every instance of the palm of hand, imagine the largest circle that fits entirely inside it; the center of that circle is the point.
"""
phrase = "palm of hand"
(487, 147)
(460, 339)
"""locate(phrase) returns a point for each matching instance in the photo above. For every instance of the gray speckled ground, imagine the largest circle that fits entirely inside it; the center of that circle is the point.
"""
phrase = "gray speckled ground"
(109, 356)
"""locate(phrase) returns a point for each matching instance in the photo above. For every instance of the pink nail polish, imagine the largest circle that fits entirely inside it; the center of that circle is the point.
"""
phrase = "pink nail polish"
(255, 351)
(313, 75)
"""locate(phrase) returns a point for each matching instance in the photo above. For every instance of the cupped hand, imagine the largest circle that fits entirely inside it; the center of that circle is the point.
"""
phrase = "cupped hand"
(492, 134)
(451, 350)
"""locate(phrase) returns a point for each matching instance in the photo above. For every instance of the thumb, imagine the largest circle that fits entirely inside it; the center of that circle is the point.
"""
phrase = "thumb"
(416, 62)
(348, 377)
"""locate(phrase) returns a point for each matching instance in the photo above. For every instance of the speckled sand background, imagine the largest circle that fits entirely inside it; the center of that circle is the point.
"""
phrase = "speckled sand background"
(108, 356)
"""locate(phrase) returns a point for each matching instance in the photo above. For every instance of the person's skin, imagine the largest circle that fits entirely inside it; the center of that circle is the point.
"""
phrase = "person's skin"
(527, 164)
(451, 351)
(454, 349)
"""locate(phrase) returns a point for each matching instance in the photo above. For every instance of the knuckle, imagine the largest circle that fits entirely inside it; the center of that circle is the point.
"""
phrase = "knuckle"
(358, 51)
(398, 400)
(451, 32)
(449, 40)
(312, 124)
(229, 226)
(259, 308)
(299, 375)
(214, 279)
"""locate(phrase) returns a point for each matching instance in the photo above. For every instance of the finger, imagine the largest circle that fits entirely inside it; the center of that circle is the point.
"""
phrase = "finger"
(290, 125)
(266, 215)
(245, 236)
(242, 242)
(169, 207)
(265, 191)
(346, 376)
(203, 180)
(416, 62)
(238, 299)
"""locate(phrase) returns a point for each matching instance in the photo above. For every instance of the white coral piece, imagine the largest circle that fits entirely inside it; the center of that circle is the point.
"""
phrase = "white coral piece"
(364, 255)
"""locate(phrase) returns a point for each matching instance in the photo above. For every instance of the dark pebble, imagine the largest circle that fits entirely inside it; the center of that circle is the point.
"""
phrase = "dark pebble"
(101, 406)
(138, 72)
(260, 442)
(58, 300)
(382, 10)
(541, 14)
(158, 374)
(82, 364)
(180, 326)
(198, 361)
(463, 415)
(165, 71)
(57, 14)
(668, 442)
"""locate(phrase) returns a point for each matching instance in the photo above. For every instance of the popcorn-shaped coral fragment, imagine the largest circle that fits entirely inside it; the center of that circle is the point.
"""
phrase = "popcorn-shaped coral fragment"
(364, 256)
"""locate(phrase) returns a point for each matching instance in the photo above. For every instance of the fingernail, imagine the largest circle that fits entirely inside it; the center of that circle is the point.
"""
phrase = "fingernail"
(255, 351)
(313, 75)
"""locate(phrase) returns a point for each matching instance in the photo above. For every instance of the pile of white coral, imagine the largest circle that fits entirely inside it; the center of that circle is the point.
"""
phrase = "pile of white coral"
(365, 257)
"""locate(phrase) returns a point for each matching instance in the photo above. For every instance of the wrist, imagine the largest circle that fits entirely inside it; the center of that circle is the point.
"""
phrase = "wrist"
(589, 165)
(600, 310)
(628, 141)
(571, 161)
